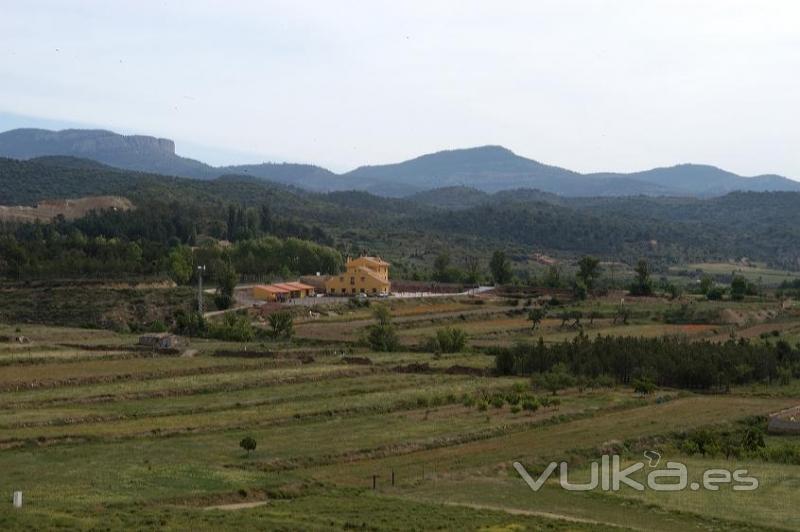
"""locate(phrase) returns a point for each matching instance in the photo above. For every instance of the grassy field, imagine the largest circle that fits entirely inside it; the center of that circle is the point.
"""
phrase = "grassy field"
(100, 435)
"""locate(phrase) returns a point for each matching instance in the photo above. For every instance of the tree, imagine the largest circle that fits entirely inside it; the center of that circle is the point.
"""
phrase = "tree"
(500, 267)
(556, 379)
(642, 286)
(579, 290)
(535, 316)
(382, 336)
(553, 277)
(472, 269)
(706, 284)
(588, 271)
(382, 314)
(227, 279)
(443, 272)
(440, 266)
(738, 288)
(180, 264)
(643, 387)
(282, 324)
(249, 444)
(623, 314)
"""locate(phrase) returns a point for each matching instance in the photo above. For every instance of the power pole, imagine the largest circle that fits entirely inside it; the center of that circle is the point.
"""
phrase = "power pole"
(200, 271)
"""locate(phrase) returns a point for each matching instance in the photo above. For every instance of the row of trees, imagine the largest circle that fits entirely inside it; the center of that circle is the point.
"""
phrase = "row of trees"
(666, 361)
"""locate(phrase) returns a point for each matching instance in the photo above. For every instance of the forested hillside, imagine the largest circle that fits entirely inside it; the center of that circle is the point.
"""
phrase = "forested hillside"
(411, 232)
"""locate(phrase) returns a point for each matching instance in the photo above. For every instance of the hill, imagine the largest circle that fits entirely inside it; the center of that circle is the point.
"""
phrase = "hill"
(412, 232)
(131, 152)
(486, 169)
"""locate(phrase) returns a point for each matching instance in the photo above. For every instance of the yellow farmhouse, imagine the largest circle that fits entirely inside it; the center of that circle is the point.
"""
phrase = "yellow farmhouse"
(364, 275)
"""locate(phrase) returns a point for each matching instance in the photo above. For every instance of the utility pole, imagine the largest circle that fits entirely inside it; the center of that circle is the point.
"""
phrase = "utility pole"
(200, 271)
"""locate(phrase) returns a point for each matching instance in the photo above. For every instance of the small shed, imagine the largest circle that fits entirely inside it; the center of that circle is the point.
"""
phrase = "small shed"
(159, 341)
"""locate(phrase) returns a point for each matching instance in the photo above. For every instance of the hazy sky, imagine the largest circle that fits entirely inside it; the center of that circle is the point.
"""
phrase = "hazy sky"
(589, 85)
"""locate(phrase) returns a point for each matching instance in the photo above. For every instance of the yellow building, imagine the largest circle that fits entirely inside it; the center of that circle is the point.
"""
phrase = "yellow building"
(282, 292)
(364, 275)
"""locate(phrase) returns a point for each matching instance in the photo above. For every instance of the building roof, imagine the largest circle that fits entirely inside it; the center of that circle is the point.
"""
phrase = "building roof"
(284, 288)
(375, 260)
(297, 286)
(371, 273)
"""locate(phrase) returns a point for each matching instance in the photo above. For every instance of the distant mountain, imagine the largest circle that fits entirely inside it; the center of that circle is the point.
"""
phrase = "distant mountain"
(131, 152)
(494, 168)
(705, 180)
(486, 169)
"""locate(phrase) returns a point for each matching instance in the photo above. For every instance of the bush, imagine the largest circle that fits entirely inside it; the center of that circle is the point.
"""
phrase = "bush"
(643, 386)
(498, 401)
(190, 323)
(382, 336)
(282, 324)
(556, 379)
(223, 301)
(531, 404)
(234, 328)
(515, 409)
(448, 340)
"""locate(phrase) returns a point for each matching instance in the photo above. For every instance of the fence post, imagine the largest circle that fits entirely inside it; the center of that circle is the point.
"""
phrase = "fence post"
(374, 482)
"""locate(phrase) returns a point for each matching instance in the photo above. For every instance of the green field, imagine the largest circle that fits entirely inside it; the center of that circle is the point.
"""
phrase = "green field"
(106, 436)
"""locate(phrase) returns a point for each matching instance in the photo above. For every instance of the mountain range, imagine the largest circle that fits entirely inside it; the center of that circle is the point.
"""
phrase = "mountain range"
(485, 169)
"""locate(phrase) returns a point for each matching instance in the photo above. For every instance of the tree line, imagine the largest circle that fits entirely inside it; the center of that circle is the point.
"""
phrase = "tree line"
(667, 361)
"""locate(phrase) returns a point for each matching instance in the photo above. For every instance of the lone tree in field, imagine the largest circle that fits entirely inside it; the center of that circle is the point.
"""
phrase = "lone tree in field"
(588, 271)
(382, 336)
(501, 268)
(535, 316)
(248, 443)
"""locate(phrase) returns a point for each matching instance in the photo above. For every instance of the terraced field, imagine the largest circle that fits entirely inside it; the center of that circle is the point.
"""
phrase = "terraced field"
(99, 434)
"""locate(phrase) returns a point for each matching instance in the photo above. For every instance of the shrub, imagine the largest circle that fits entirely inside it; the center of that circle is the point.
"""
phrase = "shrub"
(448, 340)
(643, 386)
(515, 409)
(282, 324)
(530, 405)
(498, 401)
(382, 336)
(233, 328)
(483, 406)
(556, 379)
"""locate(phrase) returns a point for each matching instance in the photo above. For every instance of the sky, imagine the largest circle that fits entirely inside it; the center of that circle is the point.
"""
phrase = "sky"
(620, 85)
